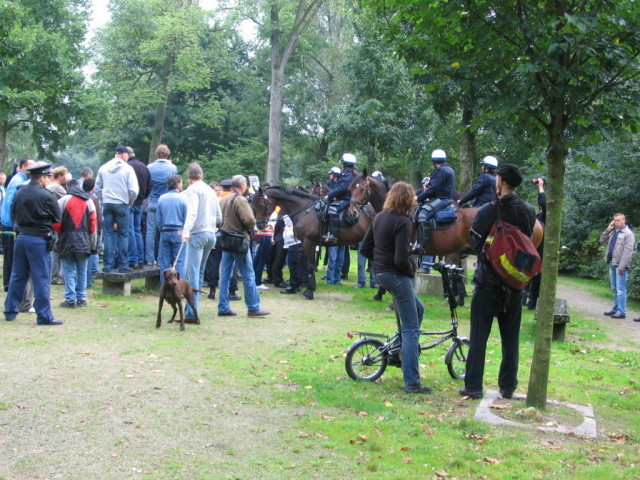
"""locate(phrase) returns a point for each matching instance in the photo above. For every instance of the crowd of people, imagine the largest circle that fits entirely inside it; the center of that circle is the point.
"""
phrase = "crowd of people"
(53, 227)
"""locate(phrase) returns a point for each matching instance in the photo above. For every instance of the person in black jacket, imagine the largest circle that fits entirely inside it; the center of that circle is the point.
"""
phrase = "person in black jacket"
(387, 245)
(492, 297)
(34, 211)
(484, 190)
(136, 244)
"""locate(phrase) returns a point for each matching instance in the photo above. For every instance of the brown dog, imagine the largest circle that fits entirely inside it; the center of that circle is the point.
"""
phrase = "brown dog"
(172, 290)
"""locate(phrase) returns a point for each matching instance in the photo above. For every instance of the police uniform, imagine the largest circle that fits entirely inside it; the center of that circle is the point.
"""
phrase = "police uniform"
(483, 191)
(340, 191)
(34, 210)
(436, 196)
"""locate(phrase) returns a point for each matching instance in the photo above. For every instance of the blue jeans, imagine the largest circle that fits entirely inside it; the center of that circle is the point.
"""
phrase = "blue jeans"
(619, 288)
(227, 269)
(92, 267)
(260, 258)
(198, 248)
(362, 271)
(426, 261)
(74, 274)
(150, 237)
(334, 267)
(116, 243)
(30, 258)
(136, 245)
(410, 310)
(168, 249)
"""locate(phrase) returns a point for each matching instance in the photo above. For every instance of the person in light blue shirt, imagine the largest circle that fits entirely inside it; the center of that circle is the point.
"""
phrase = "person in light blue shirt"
(160, 171)
(171, 215)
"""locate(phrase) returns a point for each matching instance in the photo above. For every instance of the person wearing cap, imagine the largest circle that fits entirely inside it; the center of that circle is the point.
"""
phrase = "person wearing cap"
(136, 244)
(117, 188)
(34, 210)
(492, 297)
(436, 196)
(340, 192)
(484, 189)
(161, 169)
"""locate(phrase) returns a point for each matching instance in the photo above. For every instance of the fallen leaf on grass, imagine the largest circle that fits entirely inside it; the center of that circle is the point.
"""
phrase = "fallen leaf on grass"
(364, 438)
(618, 437)
(404, 449)
(327, 418)
(500, 406)
(388, 404)
(199, 381)
(442, 473)
(407, 460)
(493, 461)
(479, 440)
(362, 414)
(304, 435)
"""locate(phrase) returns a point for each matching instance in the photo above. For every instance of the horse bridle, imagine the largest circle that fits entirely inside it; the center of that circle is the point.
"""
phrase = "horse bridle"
(262, 223)
(366, 198)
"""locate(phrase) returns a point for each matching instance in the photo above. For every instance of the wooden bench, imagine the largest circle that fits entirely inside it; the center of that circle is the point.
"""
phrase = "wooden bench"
(560, 319)
(119, 283)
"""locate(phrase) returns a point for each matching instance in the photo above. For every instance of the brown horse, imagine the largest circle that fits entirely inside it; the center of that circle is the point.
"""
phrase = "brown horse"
(301, 208)
(262, 208)
(318, 189)
(454, 239)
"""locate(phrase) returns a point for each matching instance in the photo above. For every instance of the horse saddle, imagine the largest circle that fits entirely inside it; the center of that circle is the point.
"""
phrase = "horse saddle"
(324, 208)
(443, 218)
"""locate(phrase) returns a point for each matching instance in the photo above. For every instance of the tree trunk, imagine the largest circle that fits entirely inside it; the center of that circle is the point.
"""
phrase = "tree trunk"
(321, 154)
(540, 363)
(467, 153)
(3, 145)
(275, 125)
(161, 109)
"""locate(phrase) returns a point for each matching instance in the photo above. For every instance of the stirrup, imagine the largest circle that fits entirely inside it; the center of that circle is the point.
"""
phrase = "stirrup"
(328, 238)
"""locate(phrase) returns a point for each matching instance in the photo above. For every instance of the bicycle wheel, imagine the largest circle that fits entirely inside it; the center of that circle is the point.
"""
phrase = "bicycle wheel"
(456, 358)
(365, 360)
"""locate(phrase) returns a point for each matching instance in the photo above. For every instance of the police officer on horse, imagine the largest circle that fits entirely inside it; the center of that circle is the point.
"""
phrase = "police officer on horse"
(340, 192)
(435, 197)
(484, 190)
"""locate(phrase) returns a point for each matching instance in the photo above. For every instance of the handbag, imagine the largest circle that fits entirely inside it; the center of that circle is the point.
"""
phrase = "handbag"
(230, 241)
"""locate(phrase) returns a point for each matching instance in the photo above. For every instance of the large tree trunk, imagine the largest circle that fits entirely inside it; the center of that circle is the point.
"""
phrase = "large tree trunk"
(3, 145)
(467, 153)
(275, 126)
(161, 109)
(540, 363)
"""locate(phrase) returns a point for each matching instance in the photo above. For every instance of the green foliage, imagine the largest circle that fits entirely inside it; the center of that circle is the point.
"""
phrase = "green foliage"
(41, 54)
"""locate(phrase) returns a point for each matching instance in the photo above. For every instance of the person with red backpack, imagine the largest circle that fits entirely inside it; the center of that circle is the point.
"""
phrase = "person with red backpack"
(493, 296)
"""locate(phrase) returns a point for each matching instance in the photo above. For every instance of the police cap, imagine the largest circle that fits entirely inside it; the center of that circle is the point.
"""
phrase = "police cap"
(38, 170)
(226, 183)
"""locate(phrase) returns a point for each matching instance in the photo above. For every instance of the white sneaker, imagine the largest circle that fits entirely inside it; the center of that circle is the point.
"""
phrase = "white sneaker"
(262, 288)
(32, 310)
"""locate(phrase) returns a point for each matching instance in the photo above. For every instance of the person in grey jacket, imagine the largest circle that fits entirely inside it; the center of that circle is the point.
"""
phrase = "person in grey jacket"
(620, 242)
(117, 188)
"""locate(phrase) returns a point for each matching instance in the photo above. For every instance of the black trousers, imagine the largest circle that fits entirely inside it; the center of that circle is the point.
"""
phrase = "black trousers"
(486, 305)
(212, 271)
(8, 241)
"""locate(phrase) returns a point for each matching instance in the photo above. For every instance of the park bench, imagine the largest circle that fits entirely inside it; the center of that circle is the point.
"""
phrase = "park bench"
(560, 319)
(119, 283)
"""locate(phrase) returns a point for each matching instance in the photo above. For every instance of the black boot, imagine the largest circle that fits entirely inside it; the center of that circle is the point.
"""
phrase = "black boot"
(423, 237)
(333, 229)
(212, 293)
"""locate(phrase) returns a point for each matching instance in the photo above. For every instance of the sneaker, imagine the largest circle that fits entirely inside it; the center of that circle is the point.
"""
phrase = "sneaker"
(608, 314)
(81, 303)
(262, 288)
(473, 395)
(618, 315)
(636, 319)
(68, 304)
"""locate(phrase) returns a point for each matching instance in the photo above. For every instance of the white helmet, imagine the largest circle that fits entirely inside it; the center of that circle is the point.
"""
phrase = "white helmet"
(348, 158)
(378, 174)
(490, 161)
(439, 155)
(335, 170)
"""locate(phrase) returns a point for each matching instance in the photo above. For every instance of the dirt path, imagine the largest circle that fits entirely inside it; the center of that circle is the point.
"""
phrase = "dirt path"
(624, 333)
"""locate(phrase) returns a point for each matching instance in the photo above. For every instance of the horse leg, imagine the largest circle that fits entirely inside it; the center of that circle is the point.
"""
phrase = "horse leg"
(309, 250)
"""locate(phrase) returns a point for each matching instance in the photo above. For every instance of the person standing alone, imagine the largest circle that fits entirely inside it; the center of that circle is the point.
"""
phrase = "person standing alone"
(620, 242)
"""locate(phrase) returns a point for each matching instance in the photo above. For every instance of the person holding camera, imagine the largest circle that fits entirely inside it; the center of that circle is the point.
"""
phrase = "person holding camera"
(533, 291)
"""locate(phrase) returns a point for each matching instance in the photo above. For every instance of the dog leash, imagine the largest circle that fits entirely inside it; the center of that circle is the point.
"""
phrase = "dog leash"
(178, 256)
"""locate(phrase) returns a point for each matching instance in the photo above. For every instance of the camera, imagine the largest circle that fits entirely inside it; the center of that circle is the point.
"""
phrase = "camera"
(535, 181)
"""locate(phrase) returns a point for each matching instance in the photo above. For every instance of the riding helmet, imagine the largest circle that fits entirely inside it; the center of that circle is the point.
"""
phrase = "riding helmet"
(348, 158)
(439, 155)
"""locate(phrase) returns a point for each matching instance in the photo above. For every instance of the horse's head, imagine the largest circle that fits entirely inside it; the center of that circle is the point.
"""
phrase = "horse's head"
(262, 208)
(318, 189)
(366, 189)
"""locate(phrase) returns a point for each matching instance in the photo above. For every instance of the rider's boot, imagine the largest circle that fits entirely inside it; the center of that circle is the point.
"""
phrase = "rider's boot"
(333, 229)
(423, 237)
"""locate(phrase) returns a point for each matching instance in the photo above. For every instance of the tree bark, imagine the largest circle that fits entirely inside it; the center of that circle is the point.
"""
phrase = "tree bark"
(161, 109)
(540, 363)
(467, 152)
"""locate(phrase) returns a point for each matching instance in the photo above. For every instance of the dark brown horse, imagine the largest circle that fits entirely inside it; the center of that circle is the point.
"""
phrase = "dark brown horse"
(300, 207)
(262, 208)
(318, 189)
(366, 189)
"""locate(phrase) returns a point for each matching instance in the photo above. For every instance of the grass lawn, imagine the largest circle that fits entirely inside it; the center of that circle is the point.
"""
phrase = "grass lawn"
(108, 396)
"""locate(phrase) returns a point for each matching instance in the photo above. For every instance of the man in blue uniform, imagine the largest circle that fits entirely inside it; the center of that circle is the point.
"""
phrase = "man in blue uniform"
(484, 190)
(340, 191)
(34, 211)
(436, 196)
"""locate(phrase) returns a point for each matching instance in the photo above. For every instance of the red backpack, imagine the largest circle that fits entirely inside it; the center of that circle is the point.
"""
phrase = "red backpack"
(512, 254)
